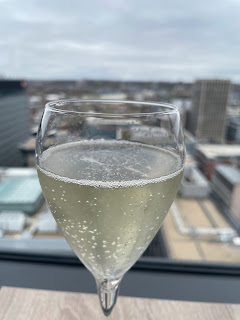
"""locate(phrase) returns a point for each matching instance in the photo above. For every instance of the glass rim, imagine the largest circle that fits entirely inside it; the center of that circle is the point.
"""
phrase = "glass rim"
(53, 106)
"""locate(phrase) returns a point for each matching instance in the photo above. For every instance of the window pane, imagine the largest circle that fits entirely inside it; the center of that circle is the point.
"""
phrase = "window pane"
(179, 53)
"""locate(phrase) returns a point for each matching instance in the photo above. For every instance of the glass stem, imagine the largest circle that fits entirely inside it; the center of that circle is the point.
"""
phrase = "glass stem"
(108, 291)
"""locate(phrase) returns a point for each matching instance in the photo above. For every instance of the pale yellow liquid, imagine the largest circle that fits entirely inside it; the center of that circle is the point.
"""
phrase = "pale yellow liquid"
(109, 199)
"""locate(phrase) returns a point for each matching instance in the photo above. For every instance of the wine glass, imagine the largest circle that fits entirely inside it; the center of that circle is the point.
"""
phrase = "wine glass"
(109, 171)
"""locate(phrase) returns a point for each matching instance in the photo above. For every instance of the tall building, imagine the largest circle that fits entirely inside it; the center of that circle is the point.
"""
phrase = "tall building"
(208, 115)
(14, 121)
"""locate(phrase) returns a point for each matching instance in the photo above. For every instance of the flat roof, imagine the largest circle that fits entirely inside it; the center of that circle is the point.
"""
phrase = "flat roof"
(195, 214)
(231, 173)
(20, 193)
(212, 151)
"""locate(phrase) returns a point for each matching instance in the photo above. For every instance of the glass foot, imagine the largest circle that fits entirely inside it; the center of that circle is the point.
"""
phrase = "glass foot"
(108, 291)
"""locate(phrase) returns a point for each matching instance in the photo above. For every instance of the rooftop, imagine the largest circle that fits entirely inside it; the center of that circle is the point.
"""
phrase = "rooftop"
(20, 190)
(198, 215)
(231, 173)
(212, 151)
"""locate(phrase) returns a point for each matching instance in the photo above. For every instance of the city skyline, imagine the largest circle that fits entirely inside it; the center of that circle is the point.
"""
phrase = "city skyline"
(120, 40)
(206, 236)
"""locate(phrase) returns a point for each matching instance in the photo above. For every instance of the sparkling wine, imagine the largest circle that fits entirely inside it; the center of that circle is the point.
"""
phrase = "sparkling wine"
(109, 198)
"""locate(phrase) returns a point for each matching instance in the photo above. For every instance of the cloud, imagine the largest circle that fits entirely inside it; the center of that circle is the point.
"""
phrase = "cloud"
(130, 40)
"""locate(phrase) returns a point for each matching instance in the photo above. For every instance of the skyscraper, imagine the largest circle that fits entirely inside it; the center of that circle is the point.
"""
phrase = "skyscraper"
(14, 121)
(208, 115)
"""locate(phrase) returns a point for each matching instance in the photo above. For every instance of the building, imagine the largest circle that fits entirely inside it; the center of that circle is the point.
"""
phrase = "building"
(196, 230)
(209, 155)
(208, 114)
(113, 96)
(194, 184)
(226, 184)
(184, 106)
(233, 129)
(190, 142)
(14, 121)
(190, 161)
(27, 149)
(20, 190)
(233, 111)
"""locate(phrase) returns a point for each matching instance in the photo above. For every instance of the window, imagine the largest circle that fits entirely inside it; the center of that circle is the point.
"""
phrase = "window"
(126, 51)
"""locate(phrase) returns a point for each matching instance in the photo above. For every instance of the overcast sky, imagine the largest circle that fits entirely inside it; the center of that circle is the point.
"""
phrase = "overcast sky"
(175, 40)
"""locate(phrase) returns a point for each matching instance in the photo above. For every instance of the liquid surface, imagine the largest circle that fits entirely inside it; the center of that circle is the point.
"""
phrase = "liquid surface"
(109, 198)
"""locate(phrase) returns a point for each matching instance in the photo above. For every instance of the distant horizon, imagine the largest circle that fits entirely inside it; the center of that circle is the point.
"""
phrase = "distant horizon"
(115, 80)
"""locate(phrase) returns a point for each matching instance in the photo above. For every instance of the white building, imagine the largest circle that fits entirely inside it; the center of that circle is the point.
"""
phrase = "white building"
(194, 184)
(226, 183)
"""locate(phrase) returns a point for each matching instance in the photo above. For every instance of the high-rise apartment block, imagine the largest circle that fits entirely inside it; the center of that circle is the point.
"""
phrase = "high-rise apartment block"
(208, 115)
(14, 121)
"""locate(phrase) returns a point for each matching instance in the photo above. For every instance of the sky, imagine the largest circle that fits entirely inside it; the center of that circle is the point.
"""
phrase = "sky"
(147, 40)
